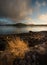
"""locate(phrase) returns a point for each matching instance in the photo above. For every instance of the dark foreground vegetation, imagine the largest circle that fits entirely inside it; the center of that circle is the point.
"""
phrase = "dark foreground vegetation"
(37, 44)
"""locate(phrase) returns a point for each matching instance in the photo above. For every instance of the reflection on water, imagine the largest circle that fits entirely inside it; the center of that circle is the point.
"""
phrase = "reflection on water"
(14, 29)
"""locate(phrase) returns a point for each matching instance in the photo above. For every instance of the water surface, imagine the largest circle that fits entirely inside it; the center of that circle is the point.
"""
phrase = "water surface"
(25, 29)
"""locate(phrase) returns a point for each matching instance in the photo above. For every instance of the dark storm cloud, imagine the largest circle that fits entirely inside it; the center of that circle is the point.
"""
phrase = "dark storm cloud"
(16, 9)
(19, 9)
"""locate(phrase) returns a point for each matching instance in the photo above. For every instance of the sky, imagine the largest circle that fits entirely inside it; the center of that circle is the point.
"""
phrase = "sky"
(25, 11)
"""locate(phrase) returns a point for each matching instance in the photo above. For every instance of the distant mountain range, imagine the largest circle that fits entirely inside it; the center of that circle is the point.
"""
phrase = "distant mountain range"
(22, 24)
(17, 24)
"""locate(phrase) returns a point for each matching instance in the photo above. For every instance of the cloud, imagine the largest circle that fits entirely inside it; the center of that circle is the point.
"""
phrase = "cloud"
(43, 18)
(44, 4)
(17, 9)
(38, 6)
(29, 20)
(6, 21)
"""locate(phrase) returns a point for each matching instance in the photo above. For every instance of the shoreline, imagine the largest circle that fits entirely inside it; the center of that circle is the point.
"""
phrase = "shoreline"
(36, 42)
(30, 37)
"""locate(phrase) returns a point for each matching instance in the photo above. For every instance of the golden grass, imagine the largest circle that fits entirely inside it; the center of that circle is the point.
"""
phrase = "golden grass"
(18, 47)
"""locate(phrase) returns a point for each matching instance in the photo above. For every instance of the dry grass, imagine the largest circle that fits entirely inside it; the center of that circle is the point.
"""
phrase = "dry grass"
(18, 47)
